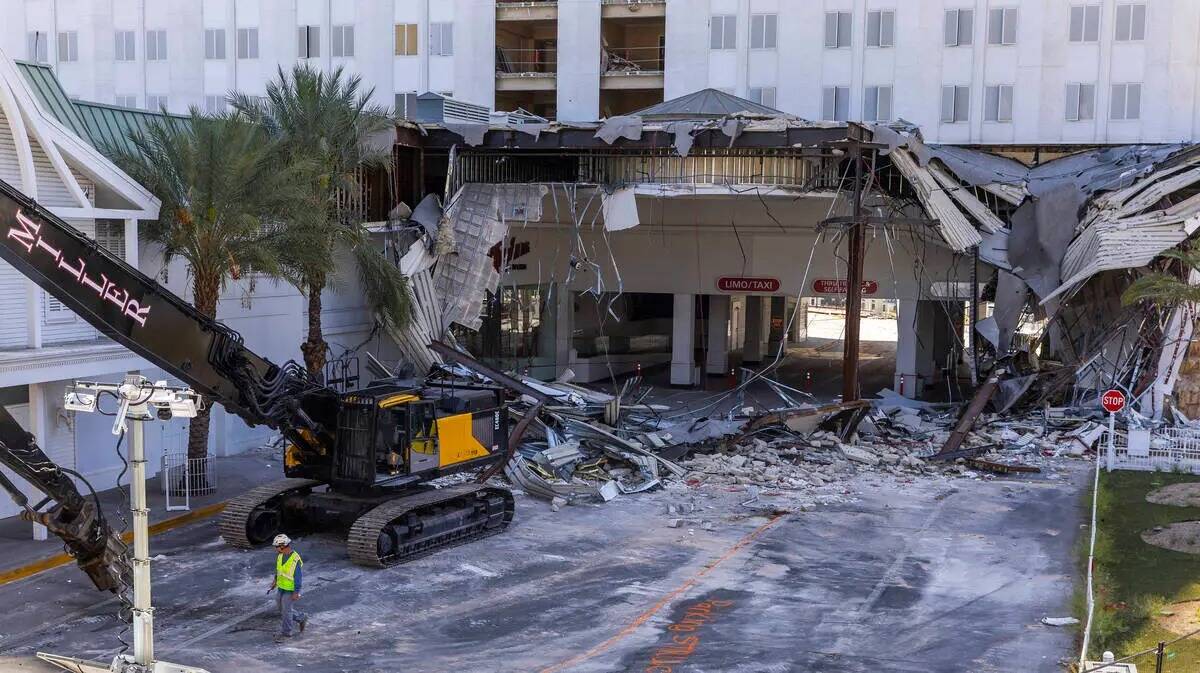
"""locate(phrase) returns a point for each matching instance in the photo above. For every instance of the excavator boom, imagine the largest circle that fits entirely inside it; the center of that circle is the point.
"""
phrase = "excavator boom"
(138, 313)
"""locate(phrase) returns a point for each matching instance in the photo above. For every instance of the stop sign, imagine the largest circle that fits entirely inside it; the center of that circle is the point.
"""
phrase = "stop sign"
(1113, 401)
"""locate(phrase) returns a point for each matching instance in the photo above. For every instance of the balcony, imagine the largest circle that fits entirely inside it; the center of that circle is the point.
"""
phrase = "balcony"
(610, 9)
(526, 10)
(634, 52)
(631, 68)
(526, 69)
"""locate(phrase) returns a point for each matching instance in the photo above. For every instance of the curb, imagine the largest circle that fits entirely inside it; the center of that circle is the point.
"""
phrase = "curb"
(35, 567)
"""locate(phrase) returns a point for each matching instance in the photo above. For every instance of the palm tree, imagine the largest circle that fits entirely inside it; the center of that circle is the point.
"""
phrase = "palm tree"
(328, 120)
(1164, 288)
(218, 184)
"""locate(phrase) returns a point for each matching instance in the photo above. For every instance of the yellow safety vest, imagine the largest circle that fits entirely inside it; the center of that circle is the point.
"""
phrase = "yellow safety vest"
(285, 571)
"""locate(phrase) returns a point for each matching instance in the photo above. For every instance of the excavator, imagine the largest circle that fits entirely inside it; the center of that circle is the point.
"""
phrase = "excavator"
(358, 462)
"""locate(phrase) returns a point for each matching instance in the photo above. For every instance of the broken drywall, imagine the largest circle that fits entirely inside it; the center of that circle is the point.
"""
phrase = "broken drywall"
(620, 209)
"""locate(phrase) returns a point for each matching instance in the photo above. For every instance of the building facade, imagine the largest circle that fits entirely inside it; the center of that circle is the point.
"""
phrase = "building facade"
(974, 71)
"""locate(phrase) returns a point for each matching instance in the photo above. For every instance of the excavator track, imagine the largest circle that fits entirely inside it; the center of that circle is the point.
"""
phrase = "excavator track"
(414, 526)
(237, 513)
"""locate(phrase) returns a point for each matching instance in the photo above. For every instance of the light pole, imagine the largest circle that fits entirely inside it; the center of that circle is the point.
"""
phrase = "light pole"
(138, 401)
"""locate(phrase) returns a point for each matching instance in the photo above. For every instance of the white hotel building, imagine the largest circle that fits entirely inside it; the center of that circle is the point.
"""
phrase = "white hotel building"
(966, 71)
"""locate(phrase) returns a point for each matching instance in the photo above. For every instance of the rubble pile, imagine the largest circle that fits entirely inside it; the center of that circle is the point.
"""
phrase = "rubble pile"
(592, 447)
(578, 445)
(815, 460)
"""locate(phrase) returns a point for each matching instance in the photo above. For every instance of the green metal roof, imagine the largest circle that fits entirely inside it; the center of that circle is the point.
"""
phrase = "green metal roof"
(104, 126)
(110, 126)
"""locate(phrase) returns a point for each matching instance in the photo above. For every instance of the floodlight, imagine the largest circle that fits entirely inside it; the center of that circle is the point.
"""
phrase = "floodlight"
(79, 400)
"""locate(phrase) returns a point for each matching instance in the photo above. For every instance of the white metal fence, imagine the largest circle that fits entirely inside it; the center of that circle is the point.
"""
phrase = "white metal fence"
(183, 478)
(1162, 450)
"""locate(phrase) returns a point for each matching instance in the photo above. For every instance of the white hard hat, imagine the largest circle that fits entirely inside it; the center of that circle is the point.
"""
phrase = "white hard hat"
(281, 540)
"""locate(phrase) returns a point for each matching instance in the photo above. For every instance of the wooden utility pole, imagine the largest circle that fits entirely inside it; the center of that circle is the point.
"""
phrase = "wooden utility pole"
(854, 281)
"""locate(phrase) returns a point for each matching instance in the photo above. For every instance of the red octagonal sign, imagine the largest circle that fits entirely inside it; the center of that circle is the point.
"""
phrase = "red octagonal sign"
(1113, 401)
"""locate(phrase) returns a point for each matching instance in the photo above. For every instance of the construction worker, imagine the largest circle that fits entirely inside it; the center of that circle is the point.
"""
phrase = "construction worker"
(289, 577)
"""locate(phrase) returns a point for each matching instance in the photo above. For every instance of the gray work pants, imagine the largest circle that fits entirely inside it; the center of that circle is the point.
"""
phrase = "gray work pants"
(288, 616)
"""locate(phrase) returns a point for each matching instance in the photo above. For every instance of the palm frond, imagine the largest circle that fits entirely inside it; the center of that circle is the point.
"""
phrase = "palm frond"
(385, 287)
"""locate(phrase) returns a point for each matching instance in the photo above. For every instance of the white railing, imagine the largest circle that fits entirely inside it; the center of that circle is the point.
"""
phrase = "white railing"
(514, 61)
(1169, 450)
(183, 478)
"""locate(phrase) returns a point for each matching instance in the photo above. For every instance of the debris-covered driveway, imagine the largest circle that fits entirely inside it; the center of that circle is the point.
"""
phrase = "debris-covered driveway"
(935, 575)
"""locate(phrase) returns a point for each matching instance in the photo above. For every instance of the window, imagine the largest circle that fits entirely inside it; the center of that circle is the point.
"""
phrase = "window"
(343, 41)
(835, 103)
(763, 31)
(247, 45)
(997, 103)
(1002, 25)
(68, 47)
(214, 44)
(956, 104)
(1131, 22)
(877, 104)
(406, 39)
(881, 28)
(763, 95)
(54, 310)
(125, 101)
(214, 104)
(1085, 23)
(156, 45)
(309, 44)
(39, 49)
(1126, 102)
(441, 39)
(110, 234)
(960, 24)
(1081, 102)
(126, 49)
(155, 103)
(406, 105)
(837, 30)
(723, 31)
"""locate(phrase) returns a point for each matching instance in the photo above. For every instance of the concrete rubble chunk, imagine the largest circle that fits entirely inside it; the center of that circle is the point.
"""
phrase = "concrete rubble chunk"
(859, 455)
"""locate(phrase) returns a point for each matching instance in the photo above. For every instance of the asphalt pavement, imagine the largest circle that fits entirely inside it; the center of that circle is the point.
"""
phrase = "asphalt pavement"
(936, 574)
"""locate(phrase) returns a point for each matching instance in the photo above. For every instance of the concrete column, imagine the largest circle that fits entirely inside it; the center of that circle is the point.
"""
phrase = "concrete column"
(752, 352)
(37, 427)
(906, 380)
(778, 323)
(579, 44)
(800, 326)
(737, 323)
(765, 328)
(683, 328)
(718, 335)
(34, 296)
(564, 327)
(131, 239)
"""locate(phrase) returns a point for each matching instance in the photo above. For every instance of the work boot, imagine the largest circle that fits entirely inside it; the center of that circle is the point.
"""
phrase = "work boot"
(303, 624)
(279, 637)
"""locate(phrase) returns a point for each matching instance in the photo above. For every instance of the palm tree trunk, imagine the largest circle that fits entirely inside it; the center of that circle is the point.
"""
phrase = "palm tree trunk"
(205, 294)
(314, 347)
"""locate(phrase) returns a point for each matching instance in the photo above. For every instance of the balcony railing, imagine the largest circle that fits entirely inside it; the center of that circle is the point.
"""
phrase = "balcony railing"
(632, 60)
(776, 167)
(511, 60)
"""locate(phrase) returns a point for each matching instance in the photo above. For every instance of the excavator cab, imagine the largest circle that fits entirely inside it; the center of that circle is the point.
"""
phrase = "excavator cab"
(409, 431)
